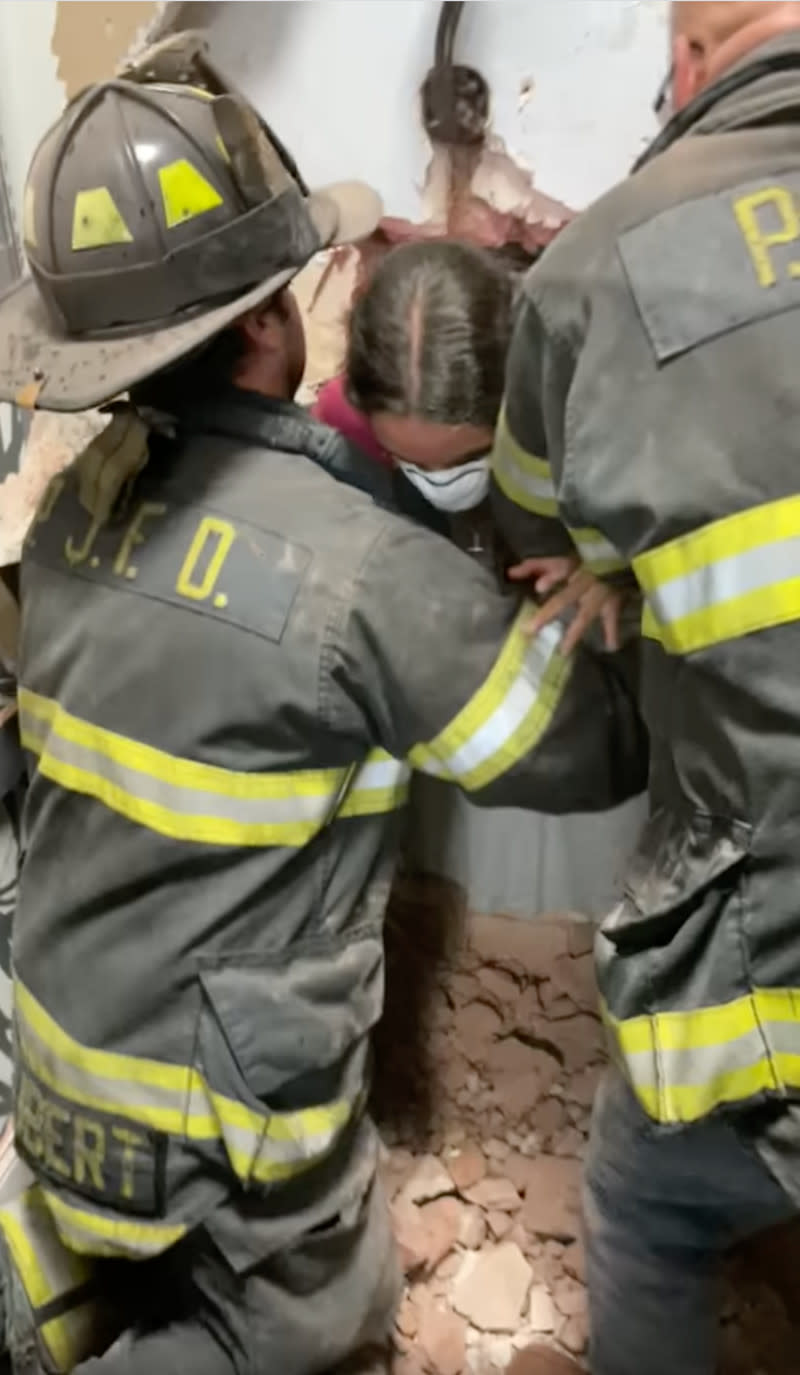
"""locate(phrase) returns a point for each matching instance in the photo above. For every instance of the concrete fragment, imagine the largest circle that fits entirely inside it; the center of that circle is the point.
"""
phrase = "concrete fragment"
(574, 1261)
(550, 1117)
(466, 1167)
(553, 1198)
(569, 1298)
(569, 1142)
(541, 1360)
(472, 1229)
(499, 988)
(497, 1150)
(583, 1087)
(580, 937)
(442, 1341)
(542, 1315)
(429, 1180)
(579, 1040)
(475, 1028)
(411, 1363)
(499, 1224)
(442, 1221)
(532, 945)
(492, 1292)
(575, 978)
(407, 1320)
(424, 1236)
(574, 1335)
(497, 1194)
(411, 1237)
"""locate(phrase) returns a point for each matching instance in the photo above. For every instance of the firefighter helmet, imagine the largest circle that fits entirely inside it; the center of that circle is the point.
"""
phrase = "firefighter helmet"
(153, 216)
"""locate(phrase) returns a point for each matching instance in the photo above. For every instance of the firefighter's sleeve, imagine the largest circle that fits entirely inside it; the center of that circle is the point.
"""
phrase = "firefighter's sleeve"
(530, 505)
(439, 664)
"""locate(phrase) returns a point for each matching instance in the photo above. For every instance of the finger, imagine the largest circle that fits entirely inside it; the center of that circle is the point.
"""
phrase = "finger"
(552, 609)
(569, 596)
(610, 617)
(588, 612)
(527, 571)
(548, 584)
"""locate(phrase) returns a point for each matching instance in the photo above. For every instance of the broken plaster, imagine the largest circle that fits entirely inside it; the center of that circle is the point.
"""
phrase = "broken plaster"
(90, 40)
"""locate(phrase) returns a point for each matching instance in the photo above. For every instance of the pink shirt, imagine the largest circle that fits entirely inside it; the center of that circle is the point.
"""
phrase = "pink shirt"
(333, 408)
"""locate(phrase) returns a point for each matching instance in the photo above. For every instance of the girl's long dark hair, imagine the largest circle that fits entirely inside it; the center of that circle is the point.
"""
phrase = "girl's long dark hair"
(430, 334)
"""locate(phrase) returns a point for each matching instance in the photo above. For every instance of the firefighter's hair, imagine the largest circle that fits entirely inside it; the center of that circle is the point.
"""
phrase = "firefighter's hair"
(430, 334)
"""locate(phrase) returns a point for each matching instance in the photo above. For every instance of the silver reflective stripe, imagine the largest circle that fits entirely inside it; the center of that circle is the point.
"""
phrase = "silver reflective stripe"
(595, 551)
(380, 773)
(697, 1065)
(726, 580)
(519, 701)
(310, 809)
(155, 1105)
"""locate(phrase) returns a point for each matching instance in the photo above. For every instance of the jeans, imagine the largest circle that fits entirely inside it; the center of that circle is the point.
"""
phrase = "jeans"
(662, 1208)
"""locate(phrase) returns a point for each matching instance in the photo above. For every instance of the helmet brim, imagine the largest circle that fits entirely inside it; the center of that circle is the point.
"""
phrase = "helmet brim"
(43, 368)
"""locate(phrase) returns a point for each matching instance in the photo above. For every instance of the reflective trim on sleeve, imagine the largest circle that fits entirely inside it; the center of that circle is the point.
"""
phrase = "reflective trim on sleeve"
(684, 1065)
(177, 1100)
(97, 1234)
(523, 478)
(731, 578)
(185, 800)
(508, 715)
(50, 1274)
(597, 553)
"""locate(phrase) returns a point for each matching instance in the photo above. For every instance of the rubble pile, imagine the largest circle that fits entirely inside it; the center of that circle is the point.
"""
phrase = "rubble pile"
(483, 1167)
(487, 1064)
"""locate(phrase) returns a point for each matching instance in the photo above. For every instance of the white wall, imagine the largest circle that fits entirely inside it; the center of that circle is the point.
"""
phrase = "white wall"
(339, 79)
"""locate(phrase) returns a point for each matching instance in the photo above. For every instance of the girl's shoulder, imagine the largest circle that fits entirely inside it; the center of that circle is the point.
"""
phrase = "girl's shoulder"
(333, 408)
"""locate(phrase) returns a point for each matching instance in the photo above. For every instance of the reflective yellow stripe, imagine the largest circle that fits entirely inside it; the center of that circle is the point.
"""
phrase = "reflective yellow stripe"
(731, 578)
(175, 1099)
(196, 802)
(523, 478)
(597, 553)
(684, 1065)
(507, 716)
(186, 193)
(96, 221)
(95, 1234)
(48, 1271)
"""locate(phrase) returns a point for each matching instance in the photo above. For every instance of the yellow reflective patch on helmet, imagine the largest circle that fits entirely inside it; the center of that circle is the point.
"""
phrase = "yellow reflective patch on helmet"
(185, 192)
(28, 217)
(96, 221)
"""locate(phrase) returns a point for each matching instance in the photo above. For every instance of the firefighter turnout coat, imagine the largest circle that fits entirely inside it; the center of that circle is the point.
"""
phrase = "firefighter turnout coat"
(222, 694)
(651, 420)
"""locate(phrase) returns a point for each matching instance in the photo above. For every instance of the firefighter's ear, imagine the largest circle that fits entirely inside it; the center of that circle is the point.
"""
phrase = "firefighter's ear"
(689, 70)
(263, 326)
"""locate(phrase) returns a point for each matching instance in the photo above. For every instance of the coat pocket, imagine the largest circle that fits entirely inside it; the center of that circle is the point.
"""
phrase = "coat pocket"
(282, 1050)
(681, 866)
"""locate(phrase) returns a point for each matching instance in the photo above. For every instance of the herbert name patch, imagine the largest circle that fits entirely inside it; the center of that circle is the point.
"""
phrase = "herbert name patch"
(705, 268)
(104, 1158)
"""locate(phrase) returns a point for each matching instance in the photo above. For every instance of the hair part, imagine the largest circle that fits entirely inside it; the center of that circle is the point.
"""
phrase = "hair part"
(430, 334)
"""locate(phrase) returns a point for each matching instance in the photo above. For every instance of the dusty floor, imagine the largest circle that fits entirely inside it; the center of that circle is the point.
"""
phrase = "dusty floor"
(487, 1064)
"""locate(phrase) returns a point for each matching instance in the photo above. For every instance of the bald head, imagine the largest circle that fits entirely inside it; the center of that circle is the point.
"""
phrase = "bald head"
(709, 38)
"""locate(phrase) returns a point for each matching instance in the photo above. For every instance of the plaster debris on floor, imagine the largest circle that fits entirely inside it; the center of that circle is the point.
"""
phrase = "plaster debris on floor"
(487, 1065)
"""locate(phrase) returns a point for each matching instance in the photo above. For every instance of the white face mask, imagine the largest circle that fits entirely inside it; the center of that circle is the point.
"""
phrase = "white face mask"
(451, 489)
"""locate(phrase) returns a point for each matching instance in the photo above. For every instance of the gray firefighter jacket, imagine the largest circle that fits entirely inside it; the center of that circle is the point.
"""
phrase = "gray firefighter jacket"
(223, 691)
(651, 422)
